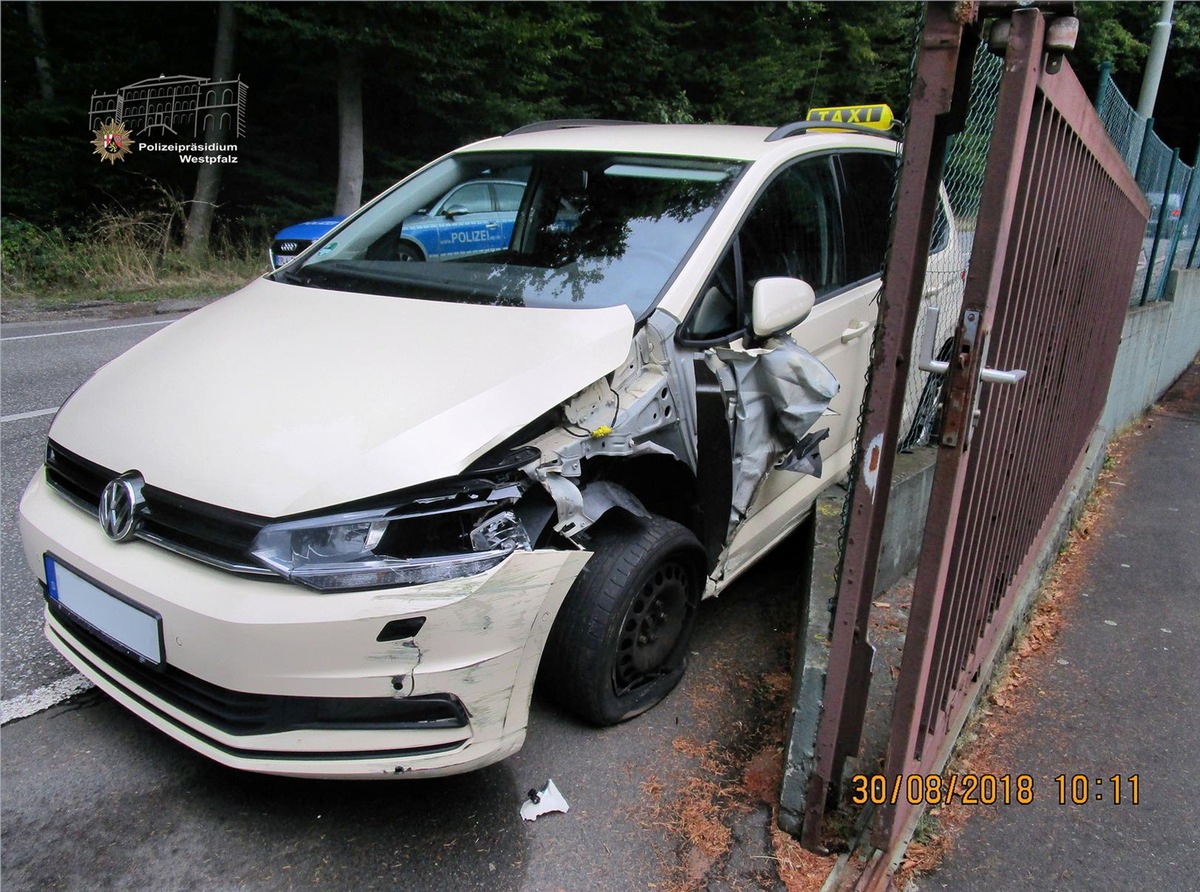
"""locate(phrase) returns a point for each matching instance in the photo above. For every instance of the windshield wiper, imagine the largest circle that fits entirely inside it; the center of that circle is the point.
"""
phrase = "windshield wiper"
(287, 277)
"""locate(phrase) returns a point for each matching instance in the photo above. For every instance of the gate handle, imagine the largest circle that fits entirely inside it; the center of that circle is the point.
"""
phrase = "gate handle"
(926, 362)
(995, 376)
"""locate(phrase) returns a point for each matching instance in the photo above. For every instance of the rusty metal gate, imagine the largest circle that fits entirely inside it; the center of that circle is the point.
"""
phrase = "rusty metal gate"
(1060, 227)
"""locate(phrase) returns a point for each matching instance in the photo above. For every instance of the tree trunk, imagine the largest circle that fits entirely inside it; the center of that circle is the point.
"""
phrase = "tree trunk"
(203, 206)
(38, 30)
(350, 133)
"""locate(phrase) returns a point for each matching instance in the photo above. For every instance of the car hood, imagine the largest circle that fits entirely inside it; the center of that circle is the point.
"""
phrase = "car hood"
(281, 399)
(310, 229)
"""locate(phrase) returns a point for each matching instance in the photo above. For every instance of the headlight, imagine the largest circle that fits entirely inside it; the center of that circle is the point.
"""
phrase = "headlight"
(406, 545)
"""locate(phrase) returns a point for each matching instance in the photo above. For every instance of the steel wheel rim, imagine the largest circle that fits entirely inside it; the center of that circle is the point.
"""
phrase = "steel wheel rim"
(652, 628)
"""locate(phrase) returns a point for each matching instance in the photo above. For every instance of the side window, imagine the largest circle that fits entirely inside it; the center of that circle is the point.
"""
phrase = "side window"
(866, 200)
(508, 197)
(793, 230)
(716, 314)
(475, 197)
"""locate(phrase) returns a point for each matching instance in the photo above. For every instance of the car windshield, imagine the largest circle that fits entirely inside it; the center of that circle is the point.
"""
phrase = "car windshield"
(537, 229)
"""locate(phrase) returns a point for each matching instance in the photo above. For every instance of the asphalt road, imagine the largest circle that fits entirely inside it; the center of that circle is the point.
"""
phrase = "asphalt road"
(94, 799)
(42, 365)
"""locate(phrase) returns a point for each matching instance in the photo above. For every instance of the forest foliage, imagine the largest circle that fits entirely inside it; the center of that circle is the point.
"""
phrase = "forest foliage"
(436, 75)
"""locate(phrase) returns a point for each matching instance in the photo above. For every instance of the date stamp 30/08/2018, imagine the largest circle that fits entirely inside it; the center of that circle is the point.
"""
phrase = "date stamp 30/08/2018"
(992, 789)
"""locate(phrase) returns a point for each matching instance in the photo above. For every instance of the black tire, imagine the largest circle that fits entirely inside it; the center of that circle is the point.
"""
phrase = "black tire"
(620, 642)
(409, 253)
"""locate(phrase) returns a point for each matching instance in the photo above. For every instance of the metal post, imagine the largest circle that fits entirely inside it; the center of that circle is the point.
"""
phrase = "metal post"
(1191, 186)
(1154, 61)
(1147, 132)
(1162, 218)
(1101, 100)
(938, 109)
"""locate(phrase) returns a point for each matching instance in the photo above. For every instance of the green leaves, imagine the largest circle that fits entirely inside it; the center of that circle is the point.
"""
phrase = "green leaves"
(438, 74)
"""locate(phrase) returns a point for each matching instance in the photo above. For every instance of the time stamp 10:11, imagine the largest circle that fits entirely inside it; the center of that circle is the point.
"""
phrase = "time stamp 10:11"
(991, 789)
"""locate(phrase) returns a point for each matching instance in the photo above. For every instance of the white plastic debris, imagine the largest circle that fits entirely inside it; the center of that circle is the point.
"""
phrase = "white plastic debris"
(543, 801)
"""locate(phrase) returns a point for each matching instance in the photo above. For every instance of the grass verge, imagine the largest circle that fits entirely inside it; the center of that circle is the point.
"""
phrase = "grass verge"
(121, 257)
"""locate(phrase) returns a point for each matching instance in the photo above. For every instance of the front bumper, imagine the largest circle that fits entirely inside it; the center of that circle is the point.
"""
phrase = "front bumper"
(233, 644)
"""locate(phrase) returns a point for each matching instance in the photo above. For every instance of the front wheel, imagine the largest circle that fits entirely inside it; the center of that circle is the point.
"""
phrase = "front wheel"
(408, 253)
(620, 642)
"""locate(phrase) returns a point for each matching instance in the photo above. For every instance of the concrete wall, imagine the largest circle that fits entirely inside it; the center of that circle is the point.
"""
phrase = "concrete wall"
(1159, 341)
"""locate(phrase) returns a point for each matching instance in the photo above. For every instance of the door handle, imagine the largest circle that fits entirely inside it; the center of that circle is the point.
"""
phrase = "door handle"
(856, 330)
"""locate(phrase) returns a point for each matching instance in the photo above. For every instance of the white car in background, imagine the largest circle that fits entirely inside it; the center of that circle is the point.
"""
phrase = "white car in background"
(337, 523)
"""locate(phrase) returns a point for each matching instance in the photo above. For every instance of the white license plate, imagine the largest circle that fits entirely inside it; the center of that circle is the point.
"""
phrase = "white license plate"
(120, 621)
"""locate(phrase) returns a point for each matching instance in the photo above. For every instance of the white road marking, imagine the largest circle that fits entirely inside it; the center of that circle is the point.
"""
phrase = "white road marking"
(43, 698)
(21, 416)
(55, 334)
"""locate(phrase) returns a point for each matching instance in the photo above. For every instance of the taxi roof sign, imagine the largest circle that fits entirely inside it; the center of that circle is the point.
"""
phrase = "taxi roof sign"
(878, 117)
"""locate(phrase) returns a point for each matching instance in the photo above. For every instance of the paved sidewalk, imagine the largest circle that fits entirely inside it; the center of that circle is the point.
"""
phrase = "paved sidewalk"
(1117, 695)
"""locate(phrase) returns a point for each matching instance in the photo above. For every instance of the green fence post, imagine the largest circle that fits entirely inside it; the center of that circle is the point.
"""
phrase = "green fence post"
(1162, 217)
(1101, 100)
(1147, 132)
(1191, 188)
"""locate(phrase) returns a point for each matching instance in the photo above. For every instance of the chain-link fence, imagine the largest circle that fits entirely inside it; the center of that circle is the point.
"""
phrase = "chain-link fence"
(951, 248)
(1167, 182)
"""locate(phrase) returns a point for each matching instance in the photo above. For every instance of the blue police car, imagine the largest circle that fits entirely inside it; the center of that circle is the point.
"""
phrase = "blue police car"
(294, 239)
(473, 218)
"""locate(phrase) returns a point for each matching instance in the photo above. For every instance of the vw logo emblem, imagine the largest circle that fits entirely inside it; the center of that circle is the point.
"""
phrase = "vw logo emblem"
(121, 507)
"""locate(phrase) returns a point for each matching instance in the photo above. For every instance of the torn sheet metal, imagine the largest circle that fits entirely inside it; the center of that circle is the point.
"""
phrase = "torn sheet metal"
(543, 801)
(579, 509)
(778, 393)
(646, 410)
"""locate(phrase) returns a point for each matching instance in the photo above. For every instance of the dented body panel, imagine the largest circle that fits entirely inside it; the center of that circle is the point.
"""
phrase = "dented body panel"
(298, 398)
(480, 643)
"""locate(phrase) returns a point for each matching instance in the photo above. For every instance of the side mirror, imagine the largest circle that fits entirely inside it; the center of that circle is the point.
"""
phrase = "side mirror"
(455, 210)
(779, 304)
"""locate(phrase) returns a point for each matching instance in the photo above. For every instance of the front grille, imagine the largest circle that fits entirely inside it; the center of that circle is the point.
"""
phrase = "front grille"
(290, 247)
(76, 477)
(241, 714)
(216, 536)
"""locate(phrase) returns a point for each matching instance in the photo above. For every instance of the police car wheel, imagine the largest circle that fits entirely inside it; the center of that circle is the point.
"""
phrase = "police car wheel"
(407, 253)
(621, 639)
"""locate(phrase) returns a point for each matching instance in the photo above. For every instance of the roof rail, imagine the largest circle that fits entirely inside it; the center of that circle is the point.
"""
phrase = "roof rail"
(797, 127)
(567, 124)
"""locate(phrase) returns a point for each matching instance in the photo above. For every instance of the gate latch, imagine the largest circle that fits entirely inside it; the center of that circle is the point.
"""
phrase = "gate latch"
(968, 343)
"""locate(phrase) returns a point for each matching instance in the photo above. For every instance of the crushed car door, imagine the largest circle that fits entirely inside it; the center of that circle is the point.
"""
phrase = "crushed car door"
(795, 230)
